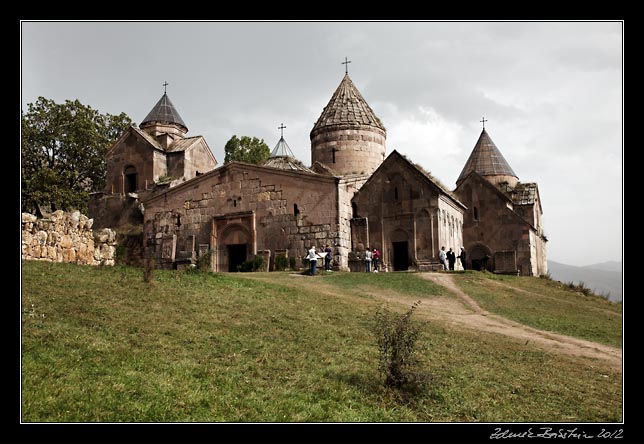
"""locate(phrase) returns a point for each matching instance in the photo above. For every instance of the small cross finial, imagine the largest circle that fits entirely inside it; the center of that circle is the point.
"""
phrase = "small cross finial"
(281, 128)
(165, 90)
(346, 65)
(483, 120)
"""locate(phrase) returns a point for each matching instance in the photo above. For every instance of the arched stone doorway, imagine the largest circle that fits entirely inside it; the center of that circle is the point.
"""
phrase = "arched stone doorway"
(400, 250)
(129, 180)
(480, 257)
(235, 247)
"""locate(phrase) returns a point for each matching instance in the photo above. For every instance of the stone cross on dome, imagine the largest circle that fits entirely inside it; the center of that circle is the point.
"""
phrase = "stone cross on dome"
(281, 128)
(346, 65)
(165, 90)
(483, 120)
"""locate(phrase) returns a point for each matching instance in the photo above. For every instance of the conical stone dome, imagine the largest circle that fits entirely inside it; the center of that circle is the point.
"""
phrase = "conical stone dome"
(487, 160)
(348, 136)
(164, 113)
(347, 107)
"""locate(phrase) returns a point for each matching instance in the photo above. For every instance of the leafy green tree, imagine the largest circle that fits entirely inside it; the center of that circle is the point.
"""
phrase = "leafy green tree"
(246, 149)
(63, 153)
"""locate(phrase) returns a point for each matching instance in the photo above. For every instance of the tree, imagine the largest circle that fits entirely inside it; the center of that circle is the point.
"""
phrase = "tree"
(63, 153)
(246, 150)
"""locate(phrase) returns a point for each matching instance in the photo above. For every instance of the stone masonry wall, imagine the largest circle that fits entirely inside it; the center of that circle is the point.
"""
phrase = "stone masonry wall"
(67, 237)
(355, 151)
(291, 212)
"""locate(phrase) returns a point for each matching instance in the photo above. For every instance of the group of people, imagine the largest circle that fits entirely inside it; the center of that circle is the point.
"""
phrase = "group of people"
(313, 256)
(371, 257)
(448, 258)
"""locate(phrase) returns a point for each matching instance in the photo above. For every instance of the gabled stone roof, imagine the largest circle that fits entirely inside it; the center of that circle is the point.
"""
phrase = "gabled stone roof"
(426, 176)
(347, 107)
(486, 160)
(164, 112)
(148, 138)
(183, 144)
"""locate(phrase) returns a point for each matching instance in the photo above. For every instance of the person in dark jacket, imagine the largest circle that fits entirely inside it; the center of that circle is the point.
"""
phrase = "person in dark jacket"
(451, 259)
(327, 257)
(463, 257)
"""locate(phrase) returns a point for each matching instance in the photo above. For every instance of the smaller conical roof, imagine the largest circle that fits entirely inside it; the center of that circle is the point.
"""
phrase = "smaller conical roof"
(347, 107)
(486, 160)
(282, 149)
(283, 158)
(164, 111)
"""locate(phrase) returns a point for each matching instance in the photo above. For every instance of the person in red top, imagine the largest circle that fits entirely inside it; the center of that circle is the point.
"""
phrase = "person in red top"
(376, 259)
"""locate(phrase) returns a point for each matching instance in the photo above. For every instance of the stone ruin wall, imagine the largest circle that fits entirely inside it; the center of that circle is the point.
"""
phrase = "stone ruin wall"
(67, 237)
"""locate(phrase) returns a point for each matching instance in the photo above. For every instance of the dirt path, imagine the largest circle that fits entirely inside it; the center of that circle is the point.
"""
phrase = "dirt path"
(463, 312)
(471, 315)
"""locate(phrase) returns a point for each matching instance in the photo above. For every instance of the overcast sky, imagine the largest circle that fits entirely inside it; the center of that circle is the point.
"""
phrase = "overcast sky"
(552, 93)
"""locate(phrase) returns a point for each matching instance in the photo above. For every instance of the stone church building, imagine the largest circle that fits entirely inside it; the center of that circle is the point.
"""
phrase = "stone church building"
(502, 227)
(352, 196)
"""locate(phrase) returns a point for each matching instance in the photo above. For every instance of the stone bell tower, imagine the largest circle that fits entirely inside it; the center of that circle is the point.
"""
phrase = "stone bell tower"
(348, 137)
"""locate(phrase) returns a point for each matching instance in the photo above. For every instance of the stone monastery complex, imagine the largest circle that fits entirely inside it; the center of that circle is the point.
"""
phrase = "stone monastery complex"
(352, 196)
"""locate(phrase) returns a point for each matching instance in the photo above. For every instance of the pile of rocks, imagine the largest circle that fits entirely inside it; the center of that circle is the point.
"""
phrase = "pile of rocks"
(67, 237)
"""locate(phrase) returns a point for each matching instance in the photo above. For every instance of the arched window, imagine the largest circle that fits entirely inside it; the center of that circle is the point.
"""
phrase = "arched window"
(296, 210)
(354, 209)
(476, 213)
(395, 193)
(130, 184)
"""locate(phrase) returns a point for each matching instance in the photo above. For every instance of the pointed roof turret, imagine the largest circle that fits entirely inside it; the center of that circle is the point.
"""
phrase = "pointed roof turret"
(164, 112)
(283, 158)
(487, 160)
(282, 149)
(347, 107)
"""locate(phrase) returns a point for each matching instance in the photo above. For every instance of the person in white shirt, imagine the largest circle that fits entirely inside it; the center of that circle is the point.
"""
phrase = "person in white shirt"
(367, 259)
(313, 259)
(442, 257)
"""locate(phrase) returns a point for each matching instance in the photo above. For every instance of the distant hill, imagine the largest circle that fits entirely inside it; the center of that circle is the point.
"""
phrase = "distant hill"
(606, 266)
(603, 278)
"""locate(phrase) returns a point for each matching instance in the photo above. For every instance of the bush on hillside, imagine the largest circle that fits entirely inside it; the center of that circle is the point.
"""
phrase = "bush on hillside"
(396, 337)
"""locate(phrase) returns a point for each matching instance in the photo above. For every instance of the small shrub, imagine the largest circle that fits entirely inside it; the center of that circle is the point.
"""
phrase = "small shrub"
(203, 263)
(281, 262)
(291, 262)
(396, 337)
(582, 288)
(254, 264)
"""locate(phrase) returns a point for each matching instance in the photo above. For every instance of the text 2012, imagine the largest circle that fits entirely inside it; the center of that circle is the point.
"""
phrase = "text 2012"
(549, 433)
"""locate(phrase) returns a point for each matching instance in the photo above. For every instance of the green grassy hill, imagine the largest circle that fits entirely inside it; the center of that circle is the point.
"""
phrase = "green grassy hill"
(100, 345)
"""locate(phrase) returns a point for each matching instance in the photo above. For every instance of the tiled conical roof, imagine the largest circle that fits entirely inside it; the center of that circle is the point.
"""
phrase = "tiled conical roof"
(164, 111)
(486, 160)
(347, 107)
